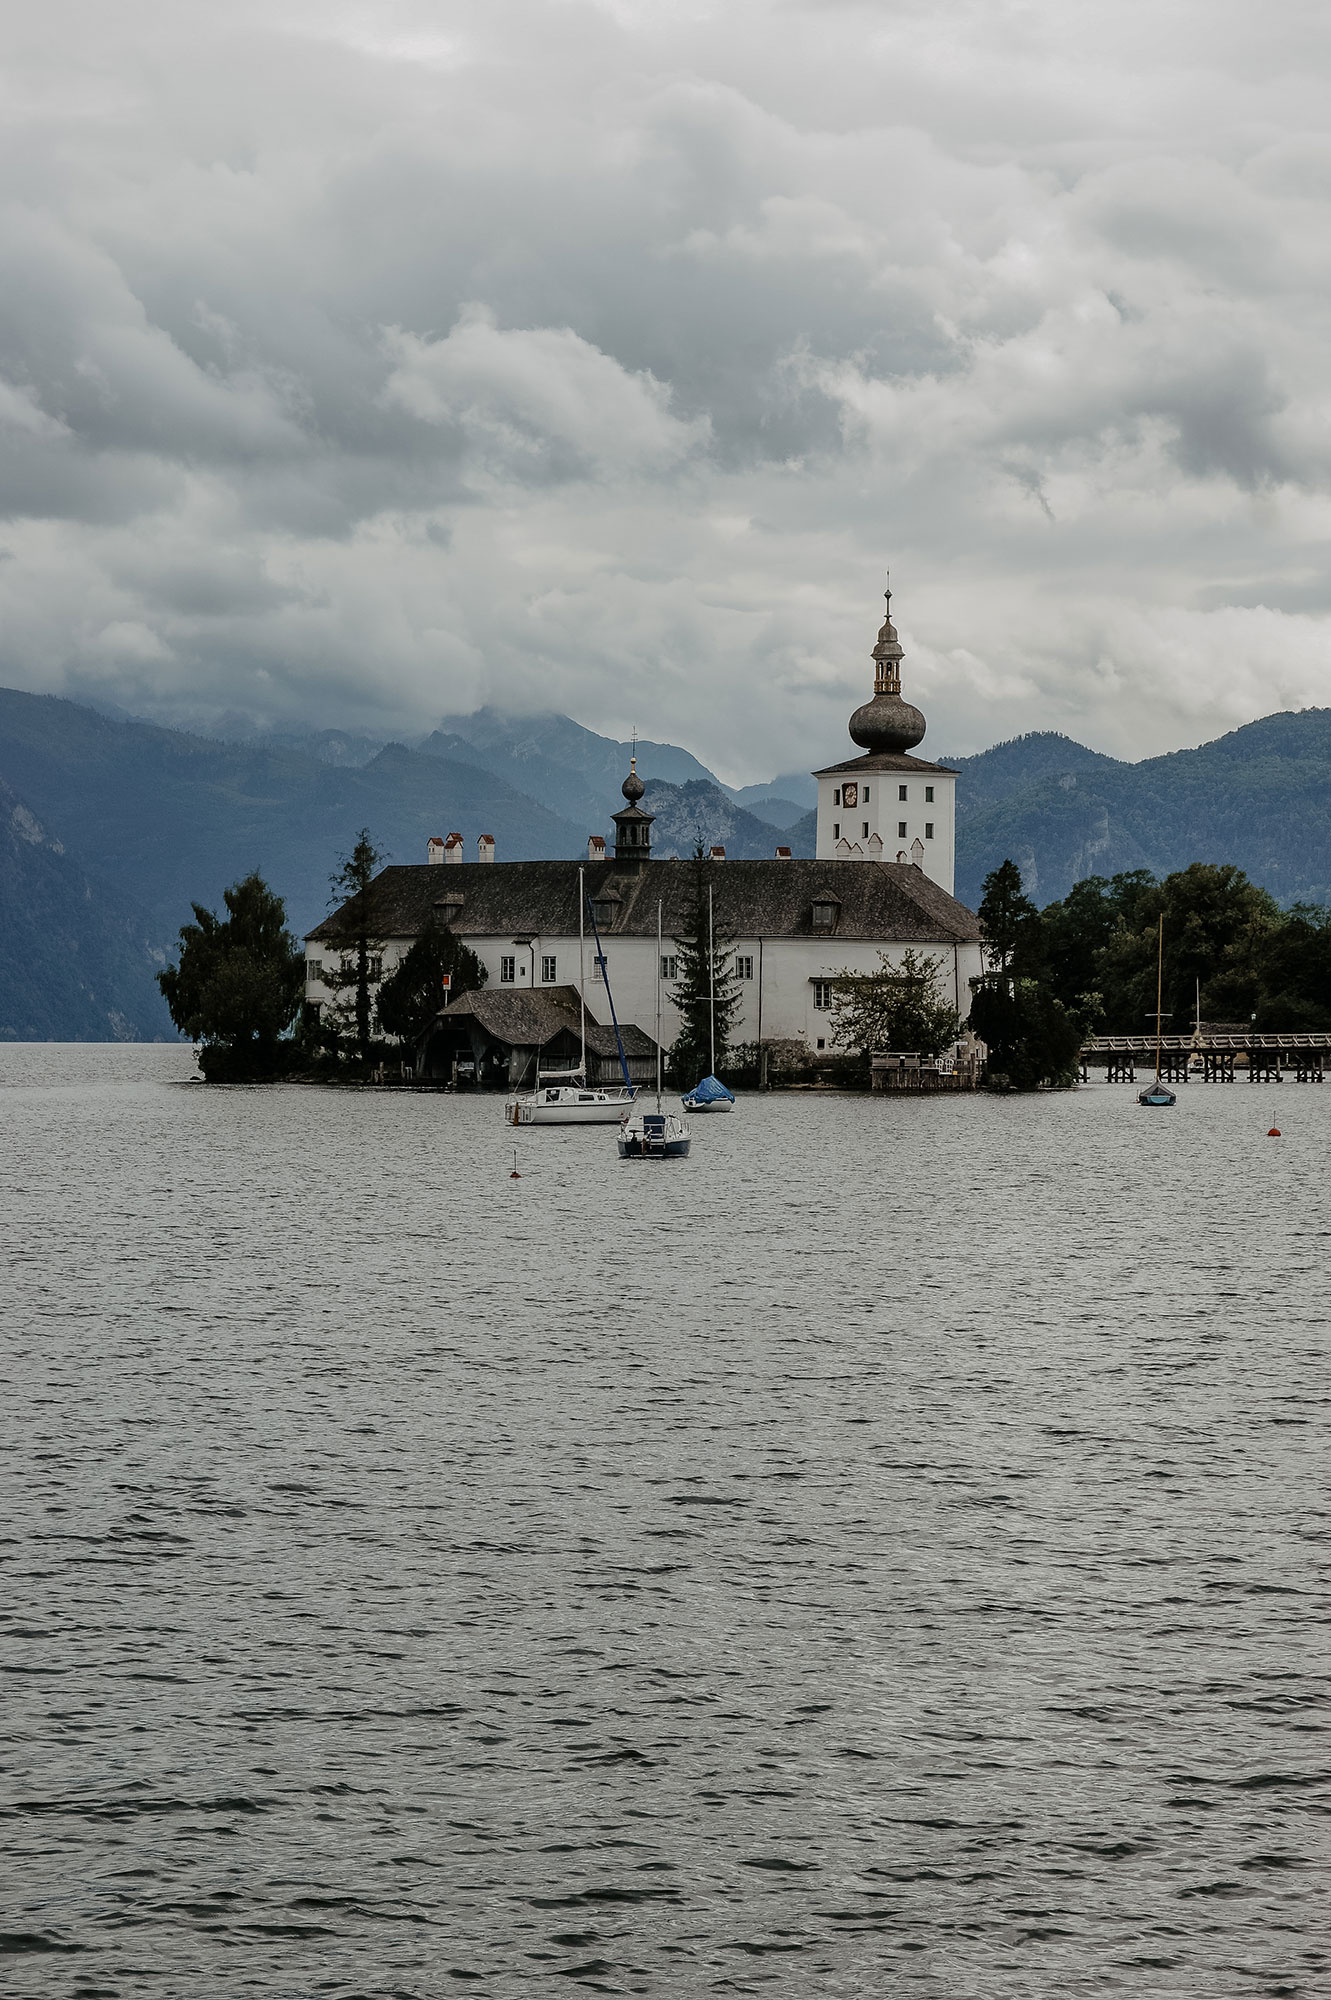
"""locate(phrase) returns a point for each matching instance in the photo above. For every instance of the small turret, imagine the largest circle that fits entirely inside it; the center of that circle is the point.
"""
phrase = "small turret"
(633, 826)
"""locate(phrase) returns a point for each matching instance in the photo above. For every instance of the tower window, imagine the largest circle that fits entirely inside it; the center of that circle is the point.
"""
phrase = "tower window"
(928, 829)
(548, 971)
(866, 829)
(901, 793)
(508, 971)
(836, 829)
(866, 795)
(928, 795)
(836, 796)
(901, 829)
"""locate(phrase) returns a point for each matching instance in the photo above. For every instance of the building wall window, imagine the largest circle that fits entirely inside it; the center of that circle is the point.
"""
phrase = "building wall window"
(508, 971)
(866, 795)
(928, 829)
(822, 995)
(866, 829)
(313, 972)
(743, 967)
(374, 968)
(901, 829)
(836, 829)
(548, 971)
(836, 796)
(670, 968)
(901, 793)
(928, 795)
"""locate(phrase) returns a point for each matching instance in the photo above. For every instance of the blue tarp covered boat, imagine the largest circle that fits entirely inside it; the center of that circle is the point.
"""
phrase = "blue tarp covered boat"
(710, 1095)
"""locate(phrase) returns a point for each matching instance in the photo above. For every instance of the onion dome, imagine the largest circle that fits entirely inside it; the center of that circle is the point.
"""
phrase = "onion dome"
(633, 787)
(887, 725)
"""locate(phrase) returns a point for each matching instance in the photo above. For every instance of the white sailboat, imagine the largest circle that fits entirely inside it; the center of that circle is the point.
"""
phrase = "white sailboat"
(711, 1094)
(563, 1097)
(659, 1134)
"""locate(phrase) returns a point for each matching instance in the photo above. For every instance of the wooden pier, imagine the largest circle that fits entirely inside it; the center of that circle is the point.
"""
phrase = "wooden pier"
(1208, 1058)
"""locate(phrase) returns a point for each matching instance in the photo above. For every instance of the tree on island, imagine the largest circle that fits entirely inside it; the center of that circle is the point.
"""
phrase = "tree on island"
(1031, 1036)
(413, 992)
(706, 989)
(237, 987)
(352, 1017)
(897, 1007)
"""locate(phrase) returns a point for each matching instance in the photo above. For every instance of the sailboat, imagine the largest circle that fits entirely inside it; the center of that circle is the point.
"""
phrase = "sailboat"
(563, 1097)
(659, 1134)
(711, 1094)
(1158, 1093)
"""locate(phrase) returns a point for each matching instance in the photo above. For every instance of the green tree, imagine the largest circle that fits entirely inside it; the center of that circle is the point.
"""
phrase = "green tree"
(360, 946)
(1030, 1036)
(237, 986)
(1009, 923)
(413, 992)
(897, 1007)
(707, 988)
(1215, 924)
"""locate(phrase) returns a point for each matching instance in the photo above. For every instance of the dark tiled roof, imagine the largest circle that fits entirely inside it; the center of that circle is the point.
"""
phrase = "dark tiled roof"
(888, 902)
(531, 1018)
(885, 760)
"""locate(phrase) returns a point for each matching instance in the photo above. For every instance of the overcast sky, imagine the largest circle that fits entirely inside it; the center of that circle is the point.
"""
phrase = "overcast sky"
(359, 363)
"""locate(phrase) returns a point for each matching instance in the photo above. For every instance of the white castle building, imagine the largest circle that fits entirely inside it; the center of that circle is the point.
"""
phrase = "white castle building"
(881, 881)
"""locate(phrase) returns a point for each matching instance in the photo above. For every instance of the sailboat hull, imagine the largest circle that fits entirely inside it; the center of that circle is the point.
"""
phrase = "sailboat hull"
(569, 1107)
(659, 1136)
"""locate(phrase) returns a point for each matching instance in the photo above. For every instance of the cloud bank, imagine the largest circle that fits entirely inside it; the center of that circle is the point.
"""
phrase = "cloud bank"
(361, 364)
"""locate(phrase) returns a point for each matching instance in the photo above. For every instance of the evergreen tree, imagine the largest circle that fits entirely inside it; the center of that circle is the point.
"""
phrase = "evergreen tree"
(897, 1007)
(707, 990)
(1009, 923)
(413, 992)
(237, 987)
(351, 891)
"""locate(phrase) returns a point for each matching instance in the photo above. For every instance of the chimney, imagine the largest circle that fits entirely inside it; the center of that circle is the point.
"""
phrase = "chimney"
(452, 847)
(485, 847)
(783, 854)
(434, 850)
(596, 847)
(717, 854)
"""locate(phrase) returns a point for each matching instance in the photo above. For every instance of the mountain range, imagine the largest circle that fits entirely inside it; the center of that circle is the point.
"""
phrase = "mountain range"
(110, 826)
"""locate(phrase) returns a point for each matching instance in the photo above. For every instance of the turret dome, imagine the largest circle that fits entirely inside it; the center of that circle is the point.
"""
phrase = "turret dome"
(633, 787)
(887, 725)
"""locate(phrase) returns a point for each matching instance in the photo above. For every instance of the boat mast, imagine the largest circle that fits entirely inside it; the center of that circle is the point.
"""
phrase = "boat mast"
(1159, 994)
(658, 1004)
(582, 970)
(711, 978)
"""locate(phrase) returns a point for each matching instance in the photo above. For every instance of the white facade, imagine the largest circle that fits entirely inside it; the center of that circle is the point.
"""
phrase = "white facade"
(868, 811)
(782, 987)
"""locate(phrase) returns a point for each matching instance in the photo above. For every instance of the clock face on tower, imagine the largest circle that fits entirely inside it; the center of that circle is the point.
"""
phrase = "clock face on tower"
(850, 795)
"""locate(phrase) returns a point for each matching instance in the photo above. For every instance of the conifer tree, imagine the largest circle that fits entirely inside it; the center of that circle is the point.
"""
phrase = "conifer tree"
(237, 986)
(354, 976)
(413, 992)
(706, 989)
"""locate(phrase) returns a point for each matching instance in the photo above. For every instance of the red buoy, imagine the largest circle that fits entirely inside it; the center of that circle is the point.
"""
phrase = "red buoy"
(1274, 1133)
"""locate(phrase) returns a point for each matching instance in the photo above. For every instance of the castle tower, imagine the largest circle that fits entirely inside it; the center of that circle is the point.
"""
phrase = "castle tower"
(633, 826)
(887, 805)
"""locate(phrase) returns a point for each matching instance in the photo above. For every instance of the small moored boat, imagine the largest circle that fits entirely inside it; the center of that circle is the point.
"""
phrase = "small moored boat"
(1158, 1094)
(709, 1095)
(653, 1135)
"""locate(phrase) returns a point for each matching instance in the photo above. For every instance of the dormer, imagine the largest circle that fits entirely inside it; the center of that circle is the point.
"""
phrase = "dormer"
(826, 913)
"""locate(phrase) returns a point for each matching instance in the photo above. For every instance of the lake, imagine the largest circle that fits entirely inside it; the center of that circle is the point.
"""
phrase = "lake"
(885, 1554)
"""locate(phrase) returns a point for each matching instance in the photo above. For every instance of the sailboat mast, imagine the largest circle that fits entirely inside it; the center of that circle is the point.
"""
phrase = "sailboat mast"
(658, 1004)
(711, 978)
(582, 970)
(1159, 994)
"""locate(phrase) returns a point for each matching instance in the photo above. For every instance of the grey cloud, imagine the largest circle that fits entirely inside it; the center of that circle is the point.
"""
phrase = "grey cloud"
(370, 364)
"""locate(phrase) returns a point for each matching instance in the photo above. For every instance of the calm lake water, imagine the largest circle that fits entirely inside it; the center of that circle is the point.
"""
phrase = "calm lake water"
(886, 1554)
